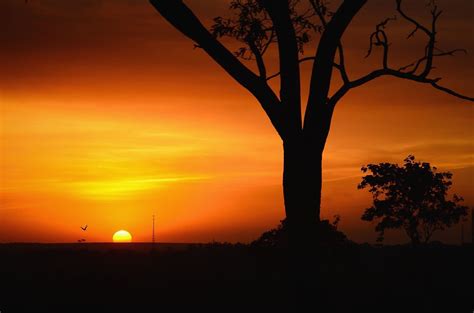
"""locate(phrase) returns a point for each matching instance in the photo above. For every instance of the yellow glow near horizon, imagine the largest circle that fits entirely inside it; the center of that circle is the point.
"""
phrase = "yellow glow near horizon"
(114, 189)
(122, 236)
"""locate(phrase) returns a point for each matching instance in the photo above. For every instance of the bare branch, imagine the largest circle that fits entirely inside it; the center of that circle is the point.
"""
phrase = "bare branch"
(451, 92)
(414, 22)
(318, 111)
(321, 11)
(258, 57)
(300, 61)
(431, 33)
(273, 76)
(417, 63)
(342, 64)
(395, 73)
(379, 38)
(271, 39)
(290, 95)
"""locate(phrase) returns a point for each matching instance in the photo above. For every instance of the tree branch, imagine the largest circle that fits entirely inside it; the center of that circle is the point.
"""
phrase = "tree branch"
(417, 63)
(379, 38)
(270, 40)
(431, 33)
(184, 20)
(290, 94)
(300, 61)
(411, 20)
(395, 73)
(259, 59)
(318, 113)
(342, 64)
(451, 92)
(321, 10)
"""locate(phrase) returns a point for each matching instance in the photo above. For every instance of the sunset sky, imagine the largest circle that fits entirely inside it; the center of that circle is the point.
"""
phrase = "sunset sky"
(108, 116)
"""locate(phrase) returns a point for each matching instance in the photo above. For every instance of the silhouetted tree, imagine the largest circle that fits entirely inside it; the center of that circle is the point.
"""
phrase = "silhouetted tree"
(412, 197)
(257, 24)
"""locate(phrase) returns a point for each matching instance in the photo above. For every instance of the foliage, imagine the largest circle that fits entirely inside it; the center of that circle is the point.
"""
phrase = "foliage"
(278, 237)
(252, 26)
(412, 197)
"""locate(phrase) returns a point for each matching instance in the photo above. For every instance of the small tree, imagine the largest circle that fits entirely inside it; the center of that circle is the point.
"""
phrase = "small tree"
(412, 197)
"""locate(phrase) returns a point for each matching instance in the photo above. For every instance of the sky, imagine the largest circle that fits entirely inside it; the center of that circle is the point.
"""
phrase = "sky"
(108, 116)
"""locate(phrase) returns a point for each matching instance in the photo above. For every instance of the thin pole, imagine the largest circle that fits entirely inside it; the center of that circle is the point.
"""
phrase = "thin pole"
(153, 230)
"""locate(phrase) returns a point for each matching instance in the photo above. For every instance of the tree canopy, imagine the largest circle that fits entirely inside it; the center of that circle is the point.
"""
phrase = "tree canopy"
(413, 197)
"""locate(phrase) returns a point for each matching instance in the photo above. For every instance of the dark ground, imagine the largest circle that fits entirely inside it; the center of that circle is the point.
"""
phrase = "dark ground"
(225, 278)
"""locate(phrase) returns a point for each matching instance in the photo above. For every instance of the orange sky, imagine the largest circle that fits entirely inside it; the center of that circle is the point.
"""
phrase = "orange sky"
(109, 115)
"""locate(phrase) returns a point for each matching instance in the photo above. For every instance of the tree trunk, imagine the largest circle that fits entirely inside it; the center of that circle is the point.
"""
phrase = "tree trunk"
(302, 193)
(302, 171)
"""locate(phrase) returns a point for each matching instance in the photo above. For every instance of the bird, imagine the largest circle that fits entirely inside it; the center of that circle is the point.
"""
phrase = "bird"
(84, 228)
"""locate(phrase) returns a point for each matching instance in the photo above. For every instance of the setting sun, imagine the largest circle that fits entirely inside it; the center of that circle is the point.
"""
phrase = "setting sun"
(122, 236)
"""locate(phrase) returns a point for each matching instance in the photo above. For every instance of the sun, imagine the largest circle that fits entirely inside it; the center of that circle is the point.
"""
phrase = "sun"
(122, 236)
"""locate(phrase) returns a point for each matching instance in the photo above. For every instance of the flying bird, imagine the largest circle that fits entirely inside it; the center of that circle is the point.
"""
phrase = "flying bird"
(84, 228)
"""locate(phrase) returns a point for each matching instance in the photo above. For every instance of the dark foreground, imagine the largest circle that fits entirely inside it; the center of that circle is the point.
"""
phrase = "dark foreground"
(224, 278)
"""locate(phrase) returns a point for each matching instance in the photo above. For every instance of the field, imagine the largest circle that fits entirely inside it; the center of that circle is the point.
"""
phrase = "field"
(222, 277)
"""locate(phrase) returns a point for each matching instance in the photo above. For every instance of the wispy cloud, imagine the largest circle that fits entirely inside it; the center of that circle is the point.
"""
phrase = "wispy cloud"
(121, 188)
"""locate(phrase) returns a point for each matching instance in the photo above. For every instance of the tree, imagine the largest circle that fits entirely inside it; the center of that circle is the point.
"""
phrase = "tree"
(289, 24)
(412, 197)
